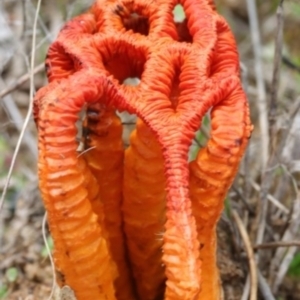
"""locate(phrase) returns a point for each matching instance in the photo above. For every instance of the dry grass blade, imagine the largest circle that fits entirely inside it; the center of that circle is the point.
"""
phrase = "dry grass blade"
(250, 254)
(267, 174)
(264, 287)
(276, 75)
(16, 116)
(277, 245)
(21, 80)
(282, 259)
(261, 91)
(29, 112)
(272, 199)
(49, 254)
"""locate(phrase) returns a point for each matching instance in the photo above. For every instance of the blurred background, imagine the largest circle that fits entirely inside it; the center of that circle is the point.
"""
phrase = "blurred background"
(265, 193)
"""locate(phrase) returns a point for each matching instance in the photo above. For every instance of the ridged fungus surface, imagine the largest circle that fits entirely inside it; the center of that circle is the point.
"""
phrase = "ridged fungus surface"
(139, 224)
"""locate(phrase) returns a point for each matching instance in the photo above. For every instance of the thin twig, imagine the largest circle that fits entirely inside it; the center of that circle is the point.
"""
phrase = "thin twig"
(271, 158)
(295, 211)
(276, 77)
(244, 201)
(85, 151)
(41, 23)
(232, 231)
(49, 254)
(291, 232)
(284, 266)
(267, 177)
(271, 198)
(29, 112)
(275, 150)
(282, 258)
(264, 287)
(16, 117)
(250, 254)
(21, 80)
(277, 245)
(246, 160)
(246, 291)
(261, 90)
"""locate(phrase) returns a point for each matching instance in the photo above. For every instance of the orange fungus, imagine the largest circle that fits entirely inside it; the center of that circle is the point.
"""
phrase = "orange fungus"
(139, 224)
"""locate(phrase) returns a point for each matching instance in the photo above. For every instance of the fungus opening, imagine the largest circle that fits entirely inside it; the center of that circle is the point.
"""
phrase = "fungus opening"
(136, 23)
(128, 120)
(133, 19)
(60, 64)
(124, 61)
(180, 20)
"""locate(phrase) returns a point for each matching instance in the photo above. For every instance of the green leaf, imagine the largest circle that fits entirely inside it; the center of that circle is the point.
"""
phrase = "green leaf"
(11, 274)
(294, 268)
(50, 245)
(206, 120)
(227, 206)
(3, 156)
(3, 291)
(295, 9)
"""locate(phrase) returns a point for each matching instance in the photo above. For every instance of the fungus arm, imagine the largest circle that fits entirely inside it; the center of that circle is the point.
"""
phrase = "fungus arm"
(211, 175)
(105, 159)
(81, 251)
(144, 211)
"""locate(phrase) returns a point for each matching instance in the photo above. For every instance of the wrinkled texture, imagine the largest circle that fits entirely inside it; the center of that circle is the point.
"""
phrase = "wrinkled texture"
(140, 224)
